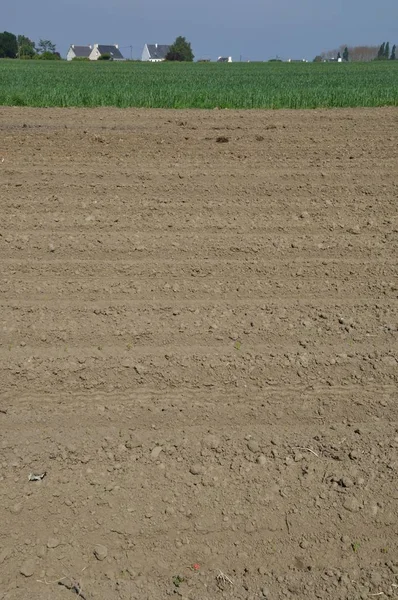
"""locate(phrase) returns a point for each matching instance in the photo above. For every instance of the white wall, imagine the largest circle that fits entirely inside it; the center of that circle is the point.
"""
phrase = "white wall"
(70, 54)
(145, 54)
(94, 55)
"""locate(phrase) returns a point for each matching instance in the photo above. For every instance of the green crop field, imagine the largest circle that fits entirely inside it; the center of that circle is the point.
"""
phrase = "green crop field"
(198, 85)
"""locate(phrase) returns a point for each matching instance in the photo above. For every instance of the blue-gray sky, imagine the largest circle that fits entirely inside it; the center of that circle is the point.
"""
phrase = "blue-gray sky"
(255, 29)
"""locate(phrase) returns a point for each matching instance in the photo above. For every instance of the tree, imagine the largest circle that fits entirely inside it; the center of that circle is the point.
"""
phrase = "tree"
(180, 51)
(26, 48)
(8, 45)
(346, 54)
(49, 56)
(318, 58)
(338, 55)
(355, 53)
(380, 54)
(387, 51)
(394, 48)
(46, 46)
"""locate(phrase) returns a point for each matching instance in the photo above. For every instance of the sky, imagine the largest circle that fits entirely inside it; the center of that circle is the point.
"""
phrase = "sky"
(247, 30)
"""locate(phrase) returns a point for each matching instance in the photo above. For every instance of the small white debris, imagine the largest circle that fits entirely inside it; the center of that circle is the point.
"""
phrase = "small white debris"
(37, 476)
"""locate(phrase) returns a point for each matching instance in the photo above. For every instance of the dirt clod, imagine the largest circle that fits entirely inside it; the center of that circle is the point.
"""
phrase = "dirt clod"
(253, 446)
(100, 552)
(156, 452)
(28, 567)
(351, 504)
(196, 469)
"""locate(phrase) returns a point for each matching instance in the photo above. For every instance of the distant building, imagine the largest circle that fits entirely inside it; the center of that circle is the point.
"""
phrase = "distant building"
(227, 59)
(78, 52)
(99, 50)
(155, 52)
(297, 60)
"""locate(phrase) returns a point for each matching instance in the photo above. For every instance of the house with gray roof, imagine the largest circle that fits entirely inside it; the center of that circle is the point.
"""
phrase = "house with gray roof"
(155, 52)
(78, 52)
(99, 50)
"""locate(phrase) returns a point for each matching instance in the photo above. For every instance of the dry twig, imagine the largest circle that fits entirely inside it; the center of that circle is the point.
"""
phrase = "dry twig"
(307, 449)
(72, 585)
(50, 582)
(222, 578)
(287, 524)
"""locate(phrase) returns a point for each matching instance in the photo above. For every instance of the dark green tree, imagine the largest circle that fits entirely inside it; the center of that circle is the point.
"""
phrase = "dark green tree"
(387, 51)
(380, 54)
(45, 46)
(393, 51)
(338, 55)
(345, 54)
(8, 45)
(26, 48)
(180, 51)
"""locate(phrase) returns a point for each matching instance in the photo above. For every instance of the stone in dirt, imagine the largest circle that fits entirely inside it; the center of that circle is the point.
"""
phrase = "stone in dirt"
(16, 509)
(211, 441)
(196, 469)
(156, 451)
(351, 504)
(100, 552)
(253, 446)
(4, 555)
(53, 543)
(28, 568)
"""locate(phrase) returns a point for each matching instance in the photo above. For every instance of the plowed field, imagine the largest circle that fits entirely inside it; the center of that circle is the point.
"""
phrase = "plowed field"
(199, 350)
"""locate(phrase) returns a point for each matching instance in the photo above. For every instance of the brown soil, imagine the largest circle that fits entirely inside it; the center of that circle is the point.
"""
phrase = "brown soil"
(199, 349)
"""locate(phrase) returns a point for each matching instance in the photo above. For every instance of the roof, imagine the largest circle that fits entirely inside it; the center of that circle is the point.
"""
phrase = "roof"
(158, 51)
(112, 50)
(81, 51)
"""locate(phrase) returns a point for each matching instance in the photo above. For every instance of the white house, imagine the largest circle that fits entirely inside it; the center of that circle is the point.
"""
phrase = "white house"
(155, 52)
(78, 52)
(99, 50)
(227, 59)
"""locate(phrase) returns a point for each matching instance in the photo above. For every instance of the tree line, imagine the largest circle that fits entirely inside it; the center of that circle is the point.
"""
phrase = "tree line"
(359, 53)
(384, 52)
(20, 46)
